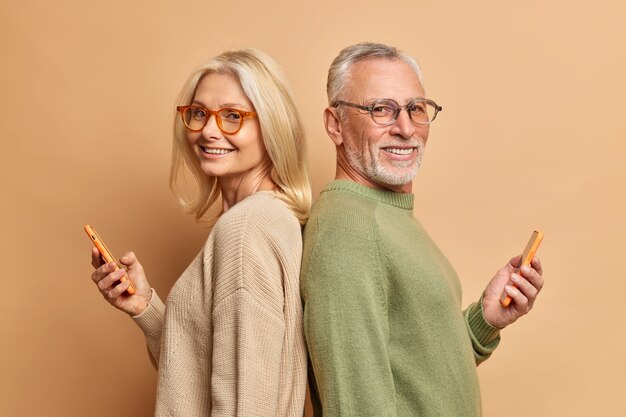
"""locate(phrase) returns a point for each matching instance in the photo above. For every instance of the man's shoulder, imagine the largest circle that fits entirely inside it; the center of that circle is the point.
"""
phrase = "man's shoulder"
(341, 202)
(342, 213)
(341, 242)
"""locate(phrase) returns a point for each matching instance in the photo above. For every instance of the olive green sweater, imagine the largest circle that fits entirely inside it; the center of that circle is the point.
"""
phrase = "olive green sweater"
(382, 312)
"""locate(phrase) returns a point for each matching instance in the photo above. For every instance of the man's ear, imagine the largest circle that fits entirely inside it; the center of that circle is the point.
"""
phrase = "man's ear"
(332, 125)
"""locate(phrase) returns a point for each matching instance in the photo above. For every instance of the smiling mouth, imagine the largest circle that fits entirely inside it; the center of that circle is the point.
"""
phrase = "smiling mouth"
(216, 151)
(399, 151)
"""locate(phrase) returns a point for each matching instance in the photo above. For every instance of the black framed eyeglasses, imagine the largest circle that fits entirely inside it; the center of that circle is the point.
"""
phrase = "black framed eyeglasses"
(384, 112)
(229, 120)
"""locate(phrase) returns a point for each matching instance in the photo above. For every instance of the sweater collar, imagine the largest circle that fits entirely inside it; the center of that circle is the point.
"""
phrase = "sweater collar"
(401, 200)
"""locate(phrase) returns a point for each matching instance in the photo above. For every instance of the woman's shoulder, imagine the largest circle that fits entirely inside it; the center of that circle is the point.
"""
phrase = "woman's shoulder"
(260, 227)
(263, 211)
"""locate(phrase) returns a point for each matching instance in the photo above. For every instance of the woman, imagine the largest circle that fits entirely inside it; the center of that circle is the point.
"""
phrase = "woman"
(229, 342)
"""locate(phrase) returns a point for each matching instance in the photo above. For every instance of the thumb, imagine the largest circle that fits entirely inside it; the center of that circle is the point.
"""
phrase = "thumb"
(514, 262)
(130, 261)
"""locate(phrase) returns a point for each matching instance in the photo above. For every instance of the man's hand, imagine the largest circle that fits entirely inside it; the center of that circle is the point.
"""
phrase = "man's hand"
(528, 281)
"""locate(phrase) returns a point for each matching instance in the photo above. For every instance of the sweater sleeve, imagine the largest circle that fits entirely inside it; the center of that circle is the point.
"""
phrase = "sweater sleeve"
(485, 338)
(248, 319)
(345, 321)
(151, 323)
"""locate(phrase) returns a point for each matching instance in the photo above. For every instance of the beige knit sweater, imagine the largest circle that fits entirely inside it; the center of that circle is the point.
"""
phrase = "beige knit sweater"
(230, 341)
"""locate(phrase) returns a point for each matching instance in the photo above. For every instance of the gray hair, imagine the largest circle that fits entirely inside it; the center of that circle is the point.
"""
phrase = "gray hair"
(340, 68)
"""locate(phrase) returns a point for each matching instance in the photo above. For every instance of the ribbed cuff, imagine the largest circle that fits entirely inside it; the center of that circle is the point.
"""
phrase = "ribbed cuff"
(151, 319)
(483, 332)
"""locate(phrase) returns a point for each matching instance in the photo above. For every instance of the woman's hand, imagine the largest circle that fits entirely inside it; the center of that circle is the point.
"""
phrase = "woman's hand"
(106, 278)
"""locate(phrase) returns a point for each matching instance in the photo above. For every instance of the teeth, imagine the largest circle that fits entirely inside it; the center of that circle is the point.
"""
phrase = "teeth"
(216, 151)
(398, 151)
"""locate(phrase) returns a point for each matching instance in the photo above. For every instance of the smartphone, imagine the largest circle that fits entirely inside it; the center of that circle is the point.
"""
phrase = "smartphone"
(106, 254)
(527, 256)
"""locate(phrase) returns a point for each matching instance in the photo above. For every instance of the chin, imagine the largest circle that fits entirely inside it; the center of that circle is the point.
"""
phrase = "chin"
(394, 176)
(211, 171)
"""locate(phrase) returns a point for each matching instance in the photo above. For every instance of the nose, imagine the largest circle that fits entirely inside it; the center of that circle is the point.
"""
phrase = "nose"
(211, 129)
(403, 126)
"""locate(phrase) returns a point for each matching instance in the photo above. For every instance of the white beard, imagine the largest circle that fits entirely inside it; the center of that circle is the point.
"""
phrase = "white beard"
(378, 173)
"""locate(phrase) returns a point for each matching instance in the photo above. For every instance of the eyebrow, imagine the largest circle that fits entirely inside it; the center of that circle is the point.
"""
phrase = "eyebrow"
(224, 105)
(373, 99)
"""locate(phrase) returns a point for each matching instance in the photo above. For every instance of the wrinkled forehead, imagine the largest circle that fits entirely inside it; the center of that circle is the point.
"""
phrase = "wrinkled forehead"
(376, 78)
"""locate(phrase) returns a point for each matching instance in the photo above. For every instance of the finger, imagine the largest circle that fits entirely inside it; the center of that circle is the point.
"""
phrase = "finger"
(108, 282)
(96, 259)
(102, 272)
(536, 264)
(532, 276)
(518, 297)
(114, 293)
(525, 286)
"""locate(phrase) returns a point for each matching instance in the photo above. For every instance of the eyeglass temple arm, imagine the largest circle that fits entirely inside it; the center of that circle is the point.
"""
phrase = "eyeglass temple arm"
(356, 106)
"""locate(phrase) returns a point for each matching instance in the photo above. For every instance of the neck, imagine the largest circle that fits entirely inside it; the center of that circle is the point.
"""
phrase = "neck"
(234, 189)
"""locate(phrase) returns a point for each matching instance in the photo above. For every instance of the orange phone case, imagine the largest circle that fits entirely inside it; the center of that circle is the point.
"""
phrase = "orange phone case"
(527, 257)
(106, 253)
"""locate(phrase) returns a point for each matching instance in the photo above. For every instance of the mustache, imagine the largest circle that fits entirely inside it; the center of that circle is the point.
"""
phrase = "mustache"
(412, 143)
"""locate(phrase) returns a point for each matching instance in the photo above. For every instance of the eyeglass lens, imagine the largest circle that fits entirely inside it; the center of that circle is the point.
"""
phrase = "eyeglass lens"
(387, 111)
(228, 120)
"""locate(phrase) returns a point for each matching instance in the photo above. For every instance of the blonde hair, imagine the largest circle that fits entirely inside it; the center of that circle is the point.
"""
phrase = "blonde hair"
(266, 87)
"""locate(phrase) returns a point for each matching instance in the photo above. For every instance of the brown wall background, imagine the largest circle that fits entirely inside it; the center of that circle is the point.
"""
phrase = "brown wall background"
(532, 136)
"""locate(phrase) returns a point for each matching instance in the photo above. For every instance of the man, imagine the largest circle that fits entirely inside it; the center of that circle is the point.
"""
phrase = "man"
(382, 305)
